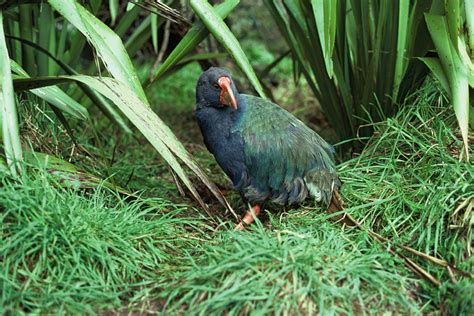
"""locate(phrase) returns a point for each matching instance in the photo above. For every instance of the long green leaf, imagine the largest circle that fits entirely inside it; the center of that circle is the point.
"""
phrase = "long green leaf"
(452, 8)
(127, 20)
(141, 34)
(437, 69)
(45, 38)
(194, 36)
(113, 7)
(469, 8)
(189, 59)
(8, 115)
(466, 60)
(325, 17)
(455, 70)
(55, 96)
(108, 45)
(401, 62)
(223, 35)
(26, 31)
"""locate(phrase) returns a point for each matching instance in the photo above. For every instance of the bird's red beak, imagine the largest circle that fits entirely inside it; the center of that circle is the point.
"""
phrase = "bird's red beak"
(226, 92)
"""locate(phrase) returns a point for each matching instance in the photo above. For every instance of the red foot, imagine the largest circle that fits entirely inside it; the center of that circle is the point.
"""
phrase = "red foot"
(249, 217)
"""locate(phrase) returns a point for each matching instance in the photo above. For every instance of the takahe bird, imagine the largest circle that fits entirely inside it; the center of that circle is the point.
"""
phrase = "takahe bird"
(269, 154)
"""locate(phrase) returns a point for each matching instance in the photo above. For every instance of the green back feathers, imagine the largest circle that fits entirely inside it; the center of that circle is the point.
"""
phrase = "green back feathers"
(282, 152)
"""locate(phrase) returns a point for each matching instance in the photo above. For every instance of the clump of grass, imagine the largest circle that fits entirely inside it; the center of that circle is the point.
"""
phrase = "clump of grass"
(72, 251)
(409, 181)
(298, 269)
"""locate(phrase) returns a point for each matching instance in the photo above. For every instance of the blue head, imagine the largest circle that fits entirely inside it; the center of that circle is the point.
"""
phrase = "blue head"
(215, 88)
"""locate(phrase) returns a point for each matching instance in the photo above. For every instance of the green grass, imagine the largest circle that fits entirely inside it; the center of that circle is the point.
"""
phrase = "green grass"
(71, 251)
(292, 268)
(76, 251)
(93, 251)
(410, 186)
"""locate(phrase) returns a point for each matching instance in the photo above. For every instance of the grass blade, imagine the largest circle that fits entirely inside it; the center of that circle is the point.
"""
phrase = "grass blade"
(113, 7)
(10, 130)
(154, 32)
(223, 35)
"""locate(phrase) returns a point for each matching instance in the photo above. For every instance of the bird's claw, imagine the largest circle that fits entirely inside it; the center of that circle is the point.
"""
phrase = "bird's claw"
(239, 227)
(249, 217)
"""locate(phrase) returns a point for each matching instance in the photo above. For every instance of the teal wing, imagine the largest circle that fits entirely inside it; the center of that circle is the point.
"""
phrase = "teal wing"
(286, 161)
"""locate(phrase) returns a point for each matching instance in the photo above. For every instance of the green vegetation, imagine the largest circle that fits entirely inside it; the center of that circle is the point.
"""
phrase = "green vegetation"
(72, 251)
(82, 250)
(63, 47)
(361, 58)
(113, 222)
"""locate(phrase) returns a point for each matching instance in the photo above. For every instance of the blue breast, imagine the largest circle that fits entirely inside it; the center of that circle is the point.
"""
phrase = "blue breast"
(226, 146)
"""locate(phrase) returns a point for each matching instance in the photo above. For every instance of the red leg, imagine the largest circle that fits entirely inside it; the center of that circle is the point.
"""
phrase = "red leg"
(249, 217)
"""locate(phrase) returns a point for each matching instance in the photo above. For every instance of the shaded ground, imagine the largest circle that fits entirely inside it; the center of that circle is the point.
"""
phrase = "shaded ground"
(94, 251)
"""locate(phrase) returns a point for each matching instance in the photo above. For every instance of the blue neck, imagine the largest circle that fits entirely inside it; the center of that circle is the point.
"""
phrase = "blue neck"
(216, 125)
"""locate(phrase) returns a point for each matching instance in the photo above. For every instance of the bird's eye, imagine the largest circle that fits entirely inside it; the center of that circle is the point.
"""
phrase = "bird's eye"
(216, 86)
